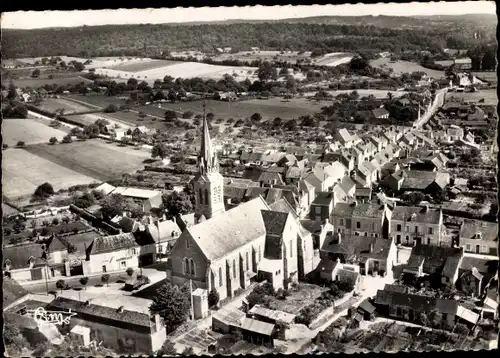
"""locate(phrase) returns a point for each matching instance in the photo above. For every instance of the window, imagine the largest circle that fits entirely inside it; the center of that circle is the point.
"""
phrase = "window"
(398, 239)
(317, 209)
(160, 248)
(430, 231)
(358, 225)
(407, 238)
(366, 234)
(398, 227)
(187, 244)
(467, 247)
(416, 229)
(185, 266)
(133, 252)
(220, 276)
(407, 229)
(234, 268)
(192, 269)
(123, 263)
(104, 268)
(338, 230)
(376, 235)
(485, 249)
(341, 222)
(246, 261)
(291, 248)
(206, 196)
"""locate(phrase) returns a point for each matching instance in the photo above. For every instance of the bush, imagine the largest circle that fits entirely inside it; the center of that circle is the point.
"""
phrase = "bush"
(53, 140)
(67, 139)
(20, 144)
(5, 146)
(213, 297)
(44, 191)
(187, 115)
(111, 108)
(55, 221)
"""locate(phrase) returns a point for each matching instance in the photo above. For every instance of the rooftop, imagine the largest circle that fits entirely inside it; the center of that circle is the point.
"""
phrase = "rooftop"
(368, 210)
(416, 214)
(260, 327)
(471, 228)
(323, 198)
(357, 247)
(272, 314)
(113, 243)
(12, 291)
(136, 193)
(416, 302)
(274, 221)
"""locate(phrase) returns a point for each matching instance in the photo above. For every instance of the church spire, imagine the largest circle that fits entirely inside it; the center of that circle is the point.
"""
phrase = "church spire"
(207, 159)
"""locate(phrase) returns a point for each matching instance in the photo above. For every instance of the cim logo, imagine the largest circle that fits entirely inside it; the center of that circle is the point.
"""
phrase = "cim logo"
(40, 315)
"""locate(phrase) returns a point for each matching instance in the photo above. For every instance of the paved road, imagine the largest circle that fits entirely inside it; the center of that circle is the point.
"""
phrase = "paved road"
(438, 102)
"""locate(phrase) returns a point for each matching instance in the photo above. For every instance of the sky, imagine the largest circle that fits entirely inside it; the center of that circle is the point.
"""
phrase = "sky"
(41, 19)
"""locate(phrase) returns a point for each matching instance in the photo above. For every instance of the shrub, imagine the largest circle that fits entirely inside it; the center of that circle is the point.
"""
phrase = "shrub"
(55, 221)
(5, 146)
(20, 144)
(44, 191)
(67, 139)
(53, 140)
(213, 297)
(187, 115)
(111, 108)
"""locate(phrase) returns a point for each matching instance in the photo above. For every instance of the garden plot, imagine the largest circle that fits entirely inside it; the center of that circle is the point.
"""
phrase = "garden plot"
(29, 131)
(400, 67)
(53, 104)
(23, 172)
(362, 93)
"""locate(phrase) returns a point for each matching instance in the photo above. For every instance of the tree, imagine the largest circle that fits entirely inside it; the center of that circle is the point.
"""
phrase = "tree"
(84, 281)
(116, 204)
(168, 349)
(60, 284)
(267, 72)
(256, 117)
(130, 271)
(188, 351)
(435, 318)
(170, 115)
(44, 191)
(111, 108)
(91, 131)
(67, 139)
(12, 94)
(187, 115)
(424, 319)
(14, 341)
(159, 150)
(20, 144)
(53, 140)
(177, 204)
(105, 279)
(213, 297)
(35, 73)
(173, 304)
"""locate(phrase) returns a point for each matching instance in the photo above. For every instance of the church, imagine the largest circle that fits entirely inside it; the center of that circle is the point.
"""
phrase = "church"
(228, 249)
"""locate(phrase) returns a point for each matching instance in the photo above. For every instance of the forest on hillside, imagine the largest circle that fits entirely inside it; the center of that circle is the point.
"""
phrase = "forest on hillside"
(152, 40)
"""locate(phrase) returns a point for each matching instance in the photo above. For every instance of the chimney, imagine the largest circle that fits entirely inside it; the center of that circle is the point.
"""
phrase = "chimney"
(157, 321)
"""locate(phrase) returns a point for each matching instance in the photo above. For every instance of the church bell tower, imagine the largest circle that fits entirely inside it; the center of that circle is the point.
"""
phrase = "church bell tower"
(209, 183)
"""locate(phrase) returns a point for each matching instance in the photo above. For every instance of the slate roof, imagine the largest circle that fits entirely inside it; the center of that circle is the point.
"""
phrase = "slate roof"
(404, 213)
(12, 291)
(471, 227)
(225, 233)
(437, 259)
(270, 178)
(484, 266)
(275, 315)
(368, 210)
(19, 255)
(282, 205)
(365, 305)
(166, 230)
(379, 112)
(95, 312)
(323, 198)
(421, 179)
(347, 183)
(395, 288)
(113, 243)
(136, 193)
(56, 244)
(294, 172)
(343, 210)
(357, 247)
(416, 302)
(274, 221)
(81, 241)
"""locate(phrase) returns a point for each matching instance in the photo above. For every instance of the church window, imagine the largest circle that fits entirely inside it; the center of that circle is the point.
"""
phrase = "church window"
(246, 260)
(206, 196)
(185, 266)
(187, 244)
(234, 268)
(192, 267)
(220, 276)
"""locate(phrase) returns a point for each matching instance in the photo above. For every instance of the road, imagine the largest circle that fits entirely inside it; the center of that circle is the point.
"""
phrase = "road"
(438, 102)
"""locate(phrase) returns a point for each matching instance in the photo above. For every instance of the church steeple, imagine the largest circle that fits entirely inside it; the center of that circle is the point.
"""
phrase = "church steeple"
(207, 159)
(209, 183)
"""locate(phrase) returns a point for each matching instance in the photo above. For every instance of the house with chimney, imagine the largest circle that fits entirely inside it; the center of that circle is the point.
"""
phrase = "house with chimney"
(322, 206)
(440, 262)
(370, 254)
(366, 219)
(413, 225)
(479, 237)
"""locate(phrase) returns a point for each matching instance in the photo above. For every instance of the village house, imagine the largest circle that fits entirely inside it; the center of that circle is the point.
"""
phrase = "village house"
(442, 262)
(463, 63)
(369, 219)
(475, 273)
(322, 206)
(336, 271)
(123, 329)
(148, 199)
(380, 113)
(479, 237)
(164, 234)
(346, 139)
(307, 194)
(408, 307)
(412, 225)
(372, 255)
(429, 182)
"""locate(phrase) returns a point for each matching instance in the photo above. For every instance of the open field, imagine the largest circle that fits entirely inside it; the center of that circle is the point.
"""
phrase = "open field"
(363, 93)
(29, 131)
(90, 118)
(101, 101)
(268, 108)
(490, 76)
(145, 65)
(39, 82)
(183, 70)
(405, 66)
(289, 56)
(94, 158)
(334, 59)
(23, 172)
(489, 96)
(53, 104)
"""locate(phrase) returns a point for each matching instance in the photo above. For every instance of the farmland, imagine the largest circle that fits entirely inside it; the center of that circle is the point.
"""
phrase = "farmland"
(405, 67)
(489, 95)
(94, 158)
(96, 101)
(23, 172)
(38, 82)
(363, 93)
(145, 65)
(53, 104)
(86, 119)
(183, 70)
(334, 59)
(30, 131)
(289, 56)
